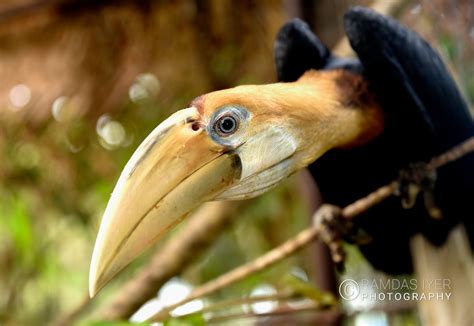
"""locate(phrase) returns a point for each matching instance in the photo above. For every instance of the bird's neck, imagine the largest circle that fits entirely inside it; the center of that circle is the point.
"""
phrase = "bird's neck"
(322, 110)
(335, 109)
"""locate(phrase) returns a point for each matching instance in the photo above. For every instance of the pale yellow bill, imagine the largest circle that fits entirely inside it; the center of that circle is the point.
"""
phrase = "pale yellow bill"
(173, 171)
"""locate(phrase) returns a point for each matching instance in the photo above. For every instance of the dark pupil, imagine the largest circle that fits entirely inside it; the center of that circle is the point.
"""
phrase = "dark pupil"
(227, 125)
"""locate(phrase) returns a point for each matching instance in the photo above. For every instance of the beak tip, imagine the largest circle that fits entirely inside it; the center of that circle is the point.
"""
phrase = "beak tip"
(96, 277)
(101, 272)
(92, 292)
(95, 285)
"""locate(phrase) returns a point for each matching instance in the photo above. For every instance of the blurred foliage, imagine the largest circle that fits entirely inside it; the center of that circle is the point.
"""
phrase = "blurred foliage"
(82, 84)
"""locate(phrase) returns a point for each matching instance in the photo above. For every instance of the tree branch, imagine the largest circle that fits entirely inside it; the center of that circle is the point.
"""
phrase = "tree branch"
(275, 255)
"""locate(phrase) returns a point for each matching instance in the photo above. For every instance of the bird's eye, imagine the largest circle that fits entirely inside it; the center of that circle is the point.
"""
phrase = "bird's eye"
(226, 125)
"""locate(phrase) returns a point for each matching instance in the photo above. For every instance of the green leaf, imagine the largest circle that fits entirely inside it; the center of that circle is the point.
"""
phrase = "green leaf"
(18, 223)
(191, 320)
(307, 290)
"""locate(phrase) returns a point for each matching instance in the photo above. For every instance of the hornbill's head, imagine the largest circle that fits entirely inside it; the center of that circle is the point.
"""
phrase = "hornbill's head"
(230, 144)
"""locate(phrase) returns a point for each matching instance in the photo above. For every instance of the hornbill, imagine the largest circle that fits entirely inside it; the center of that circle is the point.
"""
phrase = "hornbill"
(355, 122)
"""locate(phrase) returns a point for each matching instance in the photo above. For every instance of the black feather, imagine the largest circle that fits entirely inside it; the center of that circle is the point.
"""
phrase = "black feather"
(425, 116)
(297, 50)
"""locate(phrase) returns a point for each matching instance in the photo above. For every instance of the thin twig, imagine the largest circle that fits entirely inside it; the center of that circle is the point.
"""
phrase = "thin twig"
(362, 204)
(284, 250)
(326, 314)
(277, 254)
(453, 154)
(224, 304)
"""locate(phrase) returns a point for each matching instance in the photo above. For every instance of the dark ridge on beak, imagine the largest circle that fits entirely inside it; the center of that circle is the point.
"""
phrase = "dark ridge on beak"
(150, 146)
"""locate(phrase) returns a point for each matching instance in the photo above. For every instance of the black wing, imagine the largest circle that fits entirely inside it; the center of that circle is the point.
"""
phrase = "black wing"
(409, 77)
(425, 115)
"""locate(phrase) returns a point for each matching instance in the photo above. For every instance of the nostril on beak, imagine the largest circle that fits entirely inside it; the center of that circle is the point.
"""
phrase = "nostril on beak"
(195, 126)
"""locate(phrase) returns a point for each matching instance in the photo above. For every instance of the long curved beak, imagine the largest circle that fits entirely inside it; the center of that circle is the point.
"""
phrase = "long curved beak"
(184, 162)
(173, 171)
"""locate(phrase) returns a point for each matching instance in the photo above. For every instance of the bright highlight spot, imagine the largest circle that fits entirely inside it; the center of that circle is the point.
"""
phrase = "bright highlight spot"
(148, 309)
(111, 132)
(372, 318)
(145, 87)
(176, 290)
(416, 9)
(20, 96)
(299, 273)
(57, 109)
(172, 292)
(264, 306)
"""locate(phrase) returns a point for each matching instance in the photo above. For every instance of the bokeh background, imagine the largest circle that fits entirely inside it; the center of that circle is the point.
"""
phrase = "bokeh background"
(83, 82)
